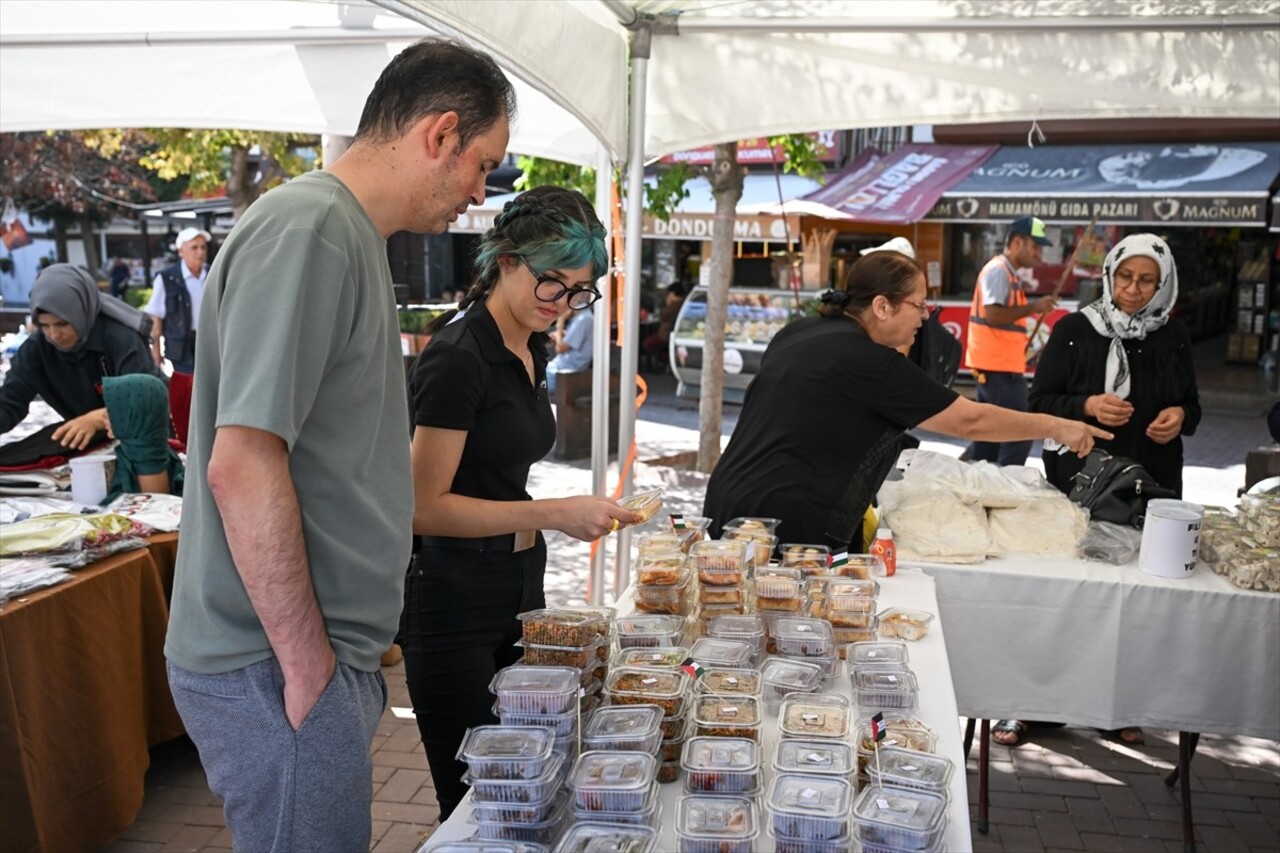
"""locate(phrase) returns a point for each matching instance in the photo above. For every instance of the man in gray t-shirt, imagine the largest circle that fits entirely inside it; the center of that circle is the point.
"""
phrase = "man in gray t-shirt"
(299, 499)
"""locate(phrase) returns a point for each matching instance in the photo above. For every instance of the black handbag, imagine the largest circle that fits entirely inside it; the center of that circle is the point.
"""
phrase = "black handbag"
(936, 351)
(1116, 489)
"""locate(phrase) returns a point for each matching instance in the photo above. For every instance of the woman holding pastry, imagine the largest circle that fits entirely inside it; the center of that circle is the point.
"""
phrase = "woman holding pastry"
(481, 418)
(822, 421)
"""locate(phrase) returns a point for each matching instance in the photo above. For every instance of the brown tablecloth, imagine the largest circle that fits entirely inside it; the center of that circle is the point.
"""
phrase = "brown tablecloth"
(83, 695)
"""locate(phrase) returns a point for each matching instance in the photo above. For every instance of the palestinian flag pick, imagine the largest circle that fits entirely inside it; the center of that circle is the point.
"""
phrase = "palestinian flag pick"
(840, 559)
(878, 730)
(677, 522)
(692, 667)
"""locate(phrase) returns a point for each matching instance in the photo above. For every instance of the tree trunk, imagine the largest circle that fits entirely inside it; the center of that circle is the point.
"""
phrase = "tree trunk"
(89, 237)
(60, 239)
(726, 187)
(241, 191)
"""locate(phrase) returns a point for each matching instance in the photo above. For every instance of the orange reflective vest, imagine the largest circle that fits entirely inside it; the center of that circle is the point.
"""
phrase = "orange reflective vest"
(994, 347)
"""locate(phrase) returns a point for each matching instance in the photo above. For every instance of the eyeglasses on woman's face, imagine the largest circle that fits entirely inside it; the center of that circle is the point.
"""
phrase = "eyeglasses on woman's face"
(922, 306)
(1142, 283)
(550, 289)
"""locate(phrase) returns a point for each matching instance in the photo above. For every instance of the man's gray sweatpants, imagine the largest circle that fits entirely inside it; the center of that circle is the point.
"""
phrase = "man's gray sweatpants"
(306, 790)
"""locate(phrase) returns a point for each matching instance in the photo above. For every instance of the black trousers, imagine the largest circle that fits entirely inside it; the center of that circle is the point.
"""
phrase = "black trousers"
(459, 628)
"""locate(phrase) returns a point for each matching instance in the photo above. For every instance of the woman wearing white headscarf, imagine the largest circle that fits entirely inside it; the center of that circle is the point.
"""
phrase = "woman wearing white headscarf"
(81, 337)
(1124, 363)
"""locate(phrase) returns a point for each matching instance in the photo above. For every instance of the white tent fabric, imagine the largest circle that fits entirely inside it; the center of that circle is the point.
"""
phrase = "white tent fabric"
(911, 62)
(267, 65)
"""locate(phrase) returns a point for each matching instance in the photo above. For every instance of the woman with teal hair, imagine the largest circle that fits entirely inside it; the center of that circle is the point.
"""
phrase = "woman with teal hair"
(137, 410)
(481, 418)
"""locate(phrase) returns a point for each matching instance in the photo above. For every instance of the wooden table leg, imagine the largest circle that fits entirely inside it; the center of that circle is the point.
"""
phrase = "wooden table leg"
(968, 736)
(984, 764)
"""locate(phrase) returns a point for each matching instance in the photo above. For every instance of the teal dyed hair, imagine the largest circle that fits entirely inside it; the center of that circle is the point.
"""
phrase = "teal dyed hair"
(550, 227)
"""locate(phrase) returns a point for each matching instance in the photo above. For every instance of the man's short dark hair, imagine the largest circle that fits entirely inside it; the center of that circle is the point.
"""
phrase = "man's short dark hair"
(433, 76)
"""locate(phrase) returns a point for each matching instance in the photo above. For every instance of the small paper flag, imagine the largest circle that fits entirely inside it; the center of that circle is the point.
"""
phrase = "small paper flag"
(692, 667)
(878, 730)
(677, 522)
(840, 559)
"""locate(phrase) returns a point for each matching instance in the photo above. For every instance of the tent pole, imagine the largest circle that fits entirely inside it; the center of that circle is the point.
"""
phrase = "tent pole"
(600, 374)
(640, 45)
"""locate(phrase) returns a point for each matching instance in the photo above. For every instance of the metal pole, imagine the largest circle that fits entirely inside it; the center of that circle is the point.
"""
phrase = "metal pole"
(640, 45)
(600, 358)
(688, 24)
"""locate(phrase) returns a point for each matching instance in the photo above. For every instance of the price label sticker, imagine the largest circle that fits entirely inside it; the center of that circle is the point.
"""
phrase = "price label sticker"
(729, 711)
(648, 681)
(882, 804)
(910, 768)
(818, 758)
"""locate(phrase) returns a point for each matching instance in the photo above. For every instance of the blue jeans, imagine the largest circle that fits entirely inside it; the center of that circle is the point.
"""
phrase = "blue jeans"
(310, 789)
(1008, 390)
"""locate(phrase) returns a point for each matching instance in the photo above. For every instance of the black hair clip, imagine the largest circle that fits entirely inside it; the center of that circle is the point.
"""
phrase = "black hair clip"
(839, 298)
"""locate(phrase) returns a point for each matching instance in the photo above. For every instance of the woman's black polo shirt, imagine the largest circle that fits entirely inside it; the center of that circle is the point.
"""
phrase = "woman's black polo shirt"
(467, 379)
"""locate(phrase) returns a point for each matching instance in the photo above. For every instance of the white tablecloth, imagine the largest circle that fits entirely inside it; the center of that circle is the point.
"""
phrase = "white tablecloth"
(1110, 646)
(937, 708)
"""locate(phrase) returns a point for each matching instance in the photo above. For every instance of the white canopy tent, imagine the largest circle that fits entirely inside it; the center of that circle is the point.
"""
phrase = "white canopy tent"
(707, 71)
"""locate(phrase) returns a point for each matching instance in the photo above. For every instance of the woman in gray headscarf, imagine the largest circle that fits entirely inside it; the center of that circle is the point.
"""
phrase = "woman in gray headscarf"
(81, 337)
(1124, 363)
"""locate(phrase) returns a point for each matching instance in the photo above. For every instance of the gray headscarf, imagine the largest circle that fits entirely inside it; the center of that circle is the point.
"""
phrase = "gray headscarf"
(1109, 321)
(70, 294)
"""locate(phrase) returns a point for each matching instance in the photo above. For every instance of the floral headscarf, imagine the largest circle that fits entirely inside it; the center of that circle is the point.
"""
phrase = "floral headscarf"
(1111, 322)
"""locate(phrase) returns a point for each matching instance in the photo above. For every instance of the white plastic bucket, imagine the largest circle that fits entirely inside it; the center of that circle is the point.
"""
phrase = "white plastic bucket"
(91, 477)
(1170, 539)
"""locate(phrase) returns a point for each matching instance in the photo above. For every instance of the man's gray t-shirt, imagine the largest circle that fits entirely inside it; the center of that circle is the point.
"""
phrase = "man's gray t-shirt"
(298, 337)
(996, 282)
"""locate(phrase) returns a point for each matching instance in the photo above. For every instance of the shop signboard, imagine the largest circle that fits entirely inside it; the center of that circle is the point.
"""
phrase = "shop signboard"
(747, 227)
(757, 150)
(1204, 184)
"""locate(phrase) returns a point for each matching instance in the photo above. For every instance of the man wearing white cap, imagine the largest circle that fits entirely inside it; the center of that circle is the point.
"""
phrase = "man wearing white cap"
(175, 312)
(898, 244)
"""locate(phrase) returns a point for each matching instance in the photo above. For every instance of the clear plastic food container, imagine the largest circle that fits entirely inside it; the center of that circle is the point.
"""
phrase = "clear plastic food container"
(656, 657)
(666, 688)
(809, 559)
(844, 637)
(721, 765)
(816, 757)
(904, 624)
(613, 781)
(895, 817)
(908, 768)
(664, 598)
(671, 748)
(778, 582)
(900, 731)
(804, 637)
(649, 816)
(796, 845)
(562, 626)
(720, 562)
(560, 725)
(744, 629)
(648, 630)
(885, 689)
(525, 813)
(760, 545)
(768, 525)
(655, 542)
(597, 838)
(673, 727)
(810, 808)
(815, 715)
(624, 728)
(669, 771)
(716, 824)
(536, 689)
(859, 620)
(884, 652)
(518, 791)
(860, 566)
(660, 567)
(544, 831)
(781, 677)
(506, 752)
(645, 505)
(725, 681)
(832, 667)
(582, 657)
(481, 845)
(712, 651)
(727, 716)
(722, 595)
(865, 846)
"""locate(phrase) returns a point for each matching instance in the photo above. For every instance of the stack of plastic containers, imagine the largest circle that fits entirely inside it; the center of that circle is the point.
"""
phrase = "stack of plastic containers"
(810, 641)
(779, 678)
(545, 696)
(515, 775)
(715, 652)
(567, 636)
(601, 838)
(722, 765)
(727, 681)
(624, 728)
(650, 630)
(670, 690)
(817, 757)
(779, 590)
(745, 629)
(815, 716)
(849, 605)
(891, 819)
(480, 845)
(662, 583)
(810, 813)
(716, 825)
(722, 578)
(759, 532)
(727, 716)
(615, 788)
(811, 560)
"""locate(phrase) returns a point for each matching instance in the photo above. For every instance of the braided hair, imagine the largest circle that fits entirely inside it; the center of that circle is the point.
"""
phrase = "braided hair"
(550, 227)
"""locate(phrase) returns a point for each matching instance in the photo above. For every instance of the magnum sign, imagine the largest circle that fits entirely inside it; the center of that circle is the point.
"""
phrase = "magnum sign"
(1137, 210)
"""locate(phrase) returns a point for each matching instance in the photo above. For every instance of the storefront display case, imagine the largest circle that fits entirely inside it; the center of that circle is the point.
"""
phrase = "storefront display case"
(755, 315)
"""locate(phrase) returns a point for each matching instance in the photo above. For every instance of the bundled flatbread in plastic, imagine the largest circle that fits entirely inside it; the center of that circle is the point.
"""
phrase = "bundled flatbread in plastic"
(1048, 526)
(976, 482)
(934, 526)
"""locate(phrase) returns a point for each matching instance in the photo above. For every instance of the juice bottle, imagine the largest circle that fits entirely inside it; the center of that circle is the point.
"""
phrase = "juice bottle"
(884, 549)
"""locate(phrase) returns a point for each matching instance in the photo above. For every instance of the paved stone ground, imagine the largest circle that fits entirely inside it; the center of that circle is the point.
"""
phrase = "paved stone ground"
(1063, 789)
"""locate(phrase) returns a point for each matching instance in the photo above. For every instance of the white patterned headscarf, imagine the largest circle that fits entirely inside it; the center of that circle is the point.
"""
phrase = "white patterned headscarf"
(1109, 321)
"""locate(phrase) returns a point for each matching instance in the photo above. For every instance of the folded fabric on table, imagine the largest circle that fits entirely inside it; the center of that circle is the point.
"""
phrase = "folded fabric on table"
(66, 532)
